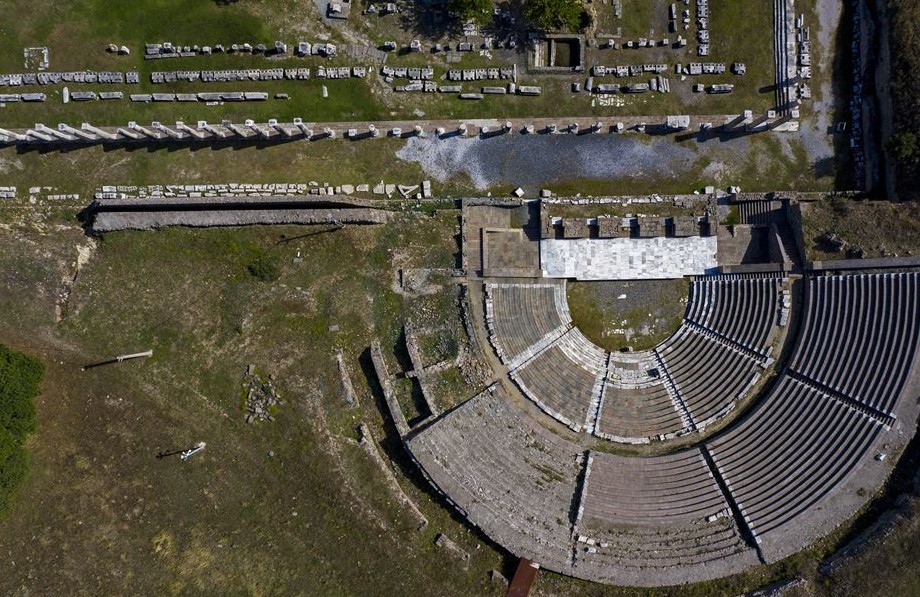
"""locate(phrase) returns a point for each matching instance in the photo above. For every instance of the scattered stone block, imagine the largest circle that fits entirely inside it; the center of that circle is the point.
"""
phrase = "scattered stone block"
(407, 190)
(497, 578)
(445, 543)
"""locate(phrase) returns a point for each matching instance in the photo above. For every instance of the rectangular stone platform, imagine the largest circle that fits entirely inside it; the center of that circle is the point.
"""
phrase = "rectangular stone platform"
(628, 258)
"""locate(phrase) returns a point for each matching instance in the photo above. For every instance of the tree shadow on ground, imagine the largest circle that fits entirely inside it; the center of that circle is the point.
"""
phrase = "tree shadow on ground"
(430, 20)
(824, 167)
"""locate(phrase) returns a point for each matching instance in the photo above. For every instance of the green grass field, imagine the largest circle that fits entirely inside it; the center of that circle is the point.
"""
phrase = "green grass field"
(638, 314)
(286, 507)
(77, 34)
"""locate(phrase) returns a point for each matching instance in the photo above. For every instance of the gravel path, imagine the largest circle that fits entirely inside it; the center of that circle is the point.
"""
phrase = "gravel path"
(537, 159)
(819, 145)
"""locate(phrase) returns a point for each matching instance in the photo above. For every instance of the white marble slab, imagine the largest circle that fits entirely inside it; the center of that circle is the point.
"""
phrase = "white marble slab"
(628, 258)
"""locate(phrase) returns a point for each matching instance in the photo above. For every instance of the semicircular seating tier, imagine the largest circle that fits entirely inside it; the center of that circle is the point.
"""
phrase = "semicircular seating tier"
(802, 462)
(690, 380)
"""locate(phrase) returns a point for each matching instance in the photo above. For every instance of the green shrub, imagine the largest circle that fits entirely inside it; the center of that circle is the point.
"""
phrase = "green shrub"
(734, 216)
(20, 376)
(905, 85)
(479, 11)
(556, 15)
(13, 468)
(264, 269)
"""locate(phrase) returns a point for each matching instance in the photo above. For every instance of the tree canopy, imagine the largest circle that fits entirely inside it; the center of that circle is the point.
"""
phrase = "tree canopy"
(904, 145)
(555, 15)
(479, 11)
(20, 376)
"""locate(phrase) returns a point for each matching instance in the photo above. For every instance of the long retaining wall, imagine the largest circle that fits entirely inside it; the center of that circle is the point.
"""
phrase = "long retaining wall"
(157, 212)
(860, 264)
(149, 220)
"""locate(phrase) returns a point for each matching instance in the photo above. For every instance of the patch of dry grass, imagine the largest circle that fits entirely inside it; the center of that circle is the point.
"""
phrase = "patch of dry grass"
(877, 228)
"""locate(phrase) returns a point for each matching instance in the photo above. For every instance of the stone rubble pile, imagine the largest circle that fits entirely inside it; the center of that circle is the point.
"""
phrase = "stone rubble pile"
(803, 39)
(480, 74)
(255, 74)
(42, 193)
(703, 68)
(86, 96)
(857, 146)
(223, 96)
(155, 51)
(201, 190)
(261, 396)
(702, 23)
(256, 190)
(401, 72)
(632, 70)
(53, 78)
(41, 54)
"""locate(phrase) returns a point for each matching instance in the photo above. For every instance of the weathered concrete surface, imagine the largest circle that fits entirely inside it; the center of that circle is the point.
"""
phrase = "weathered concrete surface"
(150, 220)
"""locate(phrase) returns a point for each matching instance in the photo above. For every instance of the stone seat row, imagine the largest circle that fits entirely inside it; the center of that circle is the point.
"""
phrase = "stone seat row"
(636, 415)
(709, 376)
(519, 315)
(852, 324)
(803, 461)
(562, 381)
(515, 482)
(538, 496)
(649, 547)
(744, 311)
(666, 558)
(665, 490)
(786, 463)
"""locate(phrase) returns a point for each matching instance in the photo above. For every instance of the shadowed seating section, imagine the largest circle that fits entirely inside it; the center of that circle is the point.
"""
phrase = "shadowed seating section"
(801, 463)
(786, 463)
(661, 520)
(709, 375)
(743, 310)
(860, 336)
(565, 380)
(721, 350)
(514, 480)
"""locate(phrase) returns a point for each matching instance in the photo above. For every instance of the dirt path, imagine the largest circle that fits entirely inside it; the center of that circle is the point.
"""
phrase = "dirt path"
(883, 97)
(877, 108)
